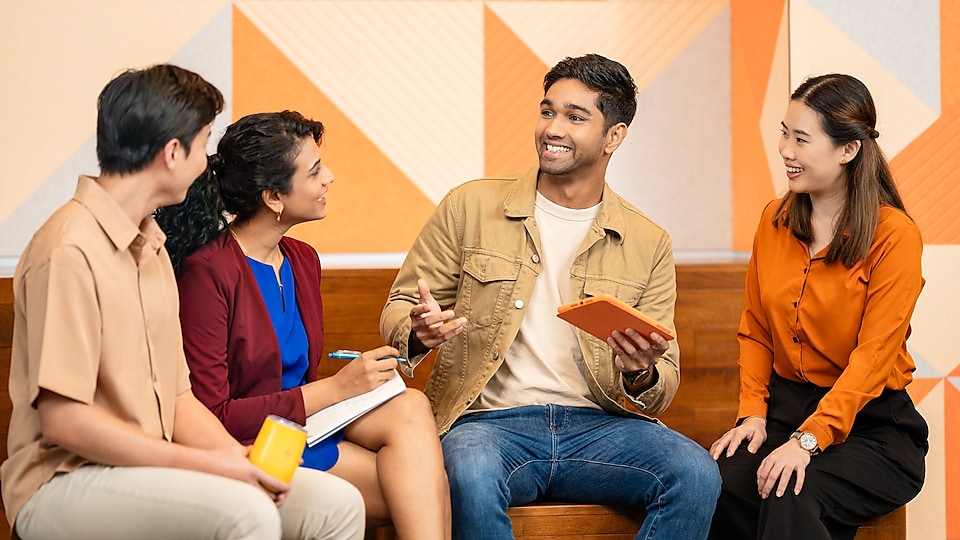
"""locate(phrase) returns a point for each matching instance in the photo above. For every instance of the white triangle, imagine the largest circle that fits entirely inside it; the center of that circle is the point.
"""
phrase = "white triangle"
(935, 325)
(644, 35)
(408, 74)
(817, 46)
(926, 514)
(774, 104)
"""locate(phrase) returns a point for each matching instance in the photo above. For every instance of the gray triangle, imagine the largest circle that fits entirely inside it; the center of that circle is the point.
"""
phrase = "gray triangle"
(924, 369)
(18, 228)
(902, 36)
(209, 53)
(673, 136)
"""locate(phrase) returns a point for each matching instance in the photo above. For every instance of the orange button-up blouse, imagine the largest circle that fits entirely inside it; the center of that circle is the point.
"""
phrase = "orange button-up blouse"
(825, 324)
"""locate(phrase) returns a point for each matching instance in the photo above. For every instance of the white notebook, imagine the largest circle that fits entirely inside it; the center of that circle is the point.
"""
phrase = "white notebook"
(326, 422)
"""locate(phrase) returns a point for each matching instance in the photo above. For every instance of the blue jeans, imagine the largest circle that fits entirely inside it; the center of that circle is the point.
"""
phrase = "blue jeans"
(513, 457)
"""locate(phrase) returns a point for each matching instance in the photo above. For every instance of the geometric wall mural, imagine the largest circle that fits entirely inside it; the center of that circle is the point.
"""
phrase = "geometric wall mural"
(420, 96)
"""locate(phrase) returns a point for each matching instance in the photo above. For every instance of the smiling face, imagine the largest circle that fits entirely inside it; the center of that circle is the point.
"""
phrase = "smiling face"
(306, 200)
(569, 135)
(813, 161)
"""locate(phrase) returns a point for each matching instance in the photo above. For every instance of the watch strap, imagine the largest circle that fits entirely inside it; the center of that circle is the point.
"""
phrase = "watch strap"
(631, 377)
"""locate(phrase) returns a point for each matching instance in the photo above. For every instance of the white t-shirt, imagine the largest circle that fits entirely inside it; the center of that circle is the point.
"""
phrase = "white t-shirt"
(543, 363)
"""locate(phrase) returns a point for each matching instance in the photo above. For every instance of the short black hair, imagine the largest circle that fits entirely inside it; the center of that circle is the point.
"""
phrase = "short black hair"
(618, 93)
(139, 111)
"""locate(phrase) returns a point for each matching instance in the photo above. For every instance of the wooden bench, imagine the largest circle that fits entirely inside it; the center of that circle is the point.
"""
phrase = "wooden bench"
(709, 300)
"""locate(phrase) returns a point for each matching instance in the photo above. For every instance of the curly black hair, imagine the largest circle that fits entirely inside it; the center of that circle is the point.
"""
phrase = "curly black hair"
(257, 153)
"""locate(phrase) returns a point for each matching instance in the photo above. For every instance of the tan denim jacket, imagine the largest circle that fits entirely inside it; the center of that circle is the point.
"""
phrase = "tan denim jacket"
(480, 252)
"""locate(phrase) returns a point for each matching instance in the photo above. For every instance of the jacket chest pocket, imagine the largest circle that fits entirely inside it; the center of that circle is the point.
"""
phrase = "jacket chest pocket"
(488, 283)
(625, 290)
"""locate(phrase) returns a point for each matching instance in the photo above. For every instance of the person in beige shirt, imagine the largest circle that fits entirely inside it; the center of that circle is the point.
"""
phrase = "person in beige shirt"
(106, 438)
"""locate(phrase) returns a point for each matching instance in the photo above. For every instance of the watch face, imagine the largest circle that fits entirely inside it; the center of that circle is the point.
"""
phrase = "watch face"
(808, 441)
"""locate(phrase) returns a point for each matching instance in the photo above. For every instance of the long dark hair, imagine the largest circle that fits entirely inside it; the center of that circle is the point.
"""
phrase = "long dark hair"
(257, 153)
(847, 114)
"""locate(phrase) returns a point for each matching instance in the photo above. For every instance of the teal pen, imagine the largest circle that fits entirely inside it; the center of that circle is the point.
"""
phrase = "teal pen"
(347, 354)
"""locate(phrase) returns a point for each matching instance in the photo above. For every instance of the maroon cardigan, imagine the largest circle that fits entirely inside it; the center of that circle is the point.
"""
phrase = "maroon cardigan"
(228, 338)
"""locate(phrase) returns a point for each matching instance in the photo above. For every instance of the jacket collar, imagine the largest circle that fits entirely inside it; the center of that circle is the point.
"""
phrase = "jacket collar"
(521, 201)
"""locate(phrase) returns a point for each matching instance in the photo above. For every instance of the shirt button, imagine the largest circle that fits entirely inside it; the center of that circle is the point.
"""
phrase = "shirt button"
(518, 304)
(795, 340)
(535, 258)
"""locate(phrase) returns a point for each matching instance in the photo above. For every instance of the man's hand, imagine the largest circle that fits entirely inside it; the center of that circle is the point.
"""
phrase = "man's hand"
(780, 465)
(634, 352)
(234, 463)
(430, 325)
(753, 429)
(101, 437)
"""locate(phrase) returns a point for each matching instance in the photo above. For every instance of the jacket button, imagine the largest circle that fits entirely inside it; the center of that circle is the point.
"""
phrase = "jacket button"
(518, 304)
(795, 340)
(535, 258)
(496, 354)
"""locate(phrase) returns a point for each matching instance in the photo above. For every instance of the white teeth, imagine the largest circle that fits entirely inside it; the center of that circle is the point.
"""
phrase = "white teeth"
(795, 170)
(552, 148)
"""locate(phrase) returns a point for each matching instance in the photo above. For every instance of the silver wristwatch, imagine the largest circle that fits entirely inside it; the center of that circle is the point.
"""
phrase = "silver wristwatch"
(808, 441)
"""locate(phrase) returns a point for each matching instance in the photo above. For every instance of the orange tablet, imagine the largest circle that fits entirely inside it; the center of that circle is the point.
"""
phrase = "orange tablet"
(602, 314)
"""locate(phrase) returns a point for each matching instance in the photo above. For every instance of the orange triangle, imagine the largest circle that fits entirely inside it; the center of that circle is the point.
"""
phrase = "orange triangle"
(513, 78)
(755, 27)
(751, 185)
(373, 206)
(919, 388)
(926, 169)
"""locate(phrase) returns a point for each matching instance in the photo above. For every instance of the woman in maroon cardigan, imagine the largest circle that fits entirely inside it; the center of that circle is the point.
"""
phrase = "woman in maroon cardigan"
(252, 322)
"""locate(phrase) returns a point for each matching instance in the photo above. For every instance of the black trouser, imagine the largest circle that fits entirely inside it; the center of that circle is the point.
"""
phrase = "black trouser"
(878, 468)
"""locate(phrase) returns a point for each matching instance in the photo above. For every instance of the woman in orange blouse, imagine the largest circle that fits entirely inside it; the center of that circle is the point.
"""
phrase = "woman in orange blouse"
(827, 437)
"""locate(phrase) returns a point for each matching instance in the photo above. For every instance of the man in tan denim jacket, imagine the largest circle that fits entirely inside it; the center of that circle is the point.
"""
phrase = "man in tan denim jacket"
(530, 407)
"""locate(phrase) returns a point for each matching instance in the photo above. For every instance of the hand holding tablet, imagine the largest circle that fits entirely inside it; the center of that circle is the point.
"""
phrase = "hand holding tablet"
(602, 314)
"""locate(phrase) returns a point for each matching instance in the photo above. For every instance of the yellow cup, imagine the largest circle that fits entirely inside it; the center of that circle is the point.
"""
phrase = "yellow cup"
(278, 447)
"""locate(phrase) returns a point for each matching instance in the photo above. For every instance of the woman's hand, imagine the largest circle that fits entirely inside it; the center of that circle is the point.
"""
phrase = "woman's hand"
(752, 429)
(367, 371)
(780, 465)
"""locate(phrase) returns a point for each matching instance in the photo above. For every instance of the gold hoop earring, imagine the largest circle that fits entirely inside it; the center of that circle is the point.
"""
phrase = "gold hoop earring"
(278, 214)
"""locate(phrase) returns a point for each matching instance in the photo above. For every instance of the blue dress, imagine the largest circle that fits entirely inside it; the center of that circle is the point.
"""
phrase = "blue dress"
(281, 301)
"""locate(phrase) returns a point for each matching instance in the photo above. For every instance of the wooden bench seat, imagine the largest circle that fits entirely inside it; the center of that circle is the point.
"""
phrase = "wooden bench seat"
(709, 301)
(552, 521)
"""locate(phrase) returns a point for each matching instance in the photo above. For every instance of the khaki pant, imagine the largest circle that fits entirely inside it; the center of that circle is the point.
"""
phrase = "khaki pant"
(100, 502)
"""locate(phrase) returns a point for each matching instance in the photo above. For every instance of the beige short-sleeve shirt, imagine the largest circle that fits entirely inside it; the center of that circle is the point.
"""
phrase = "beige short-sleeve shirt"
(95, 320)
